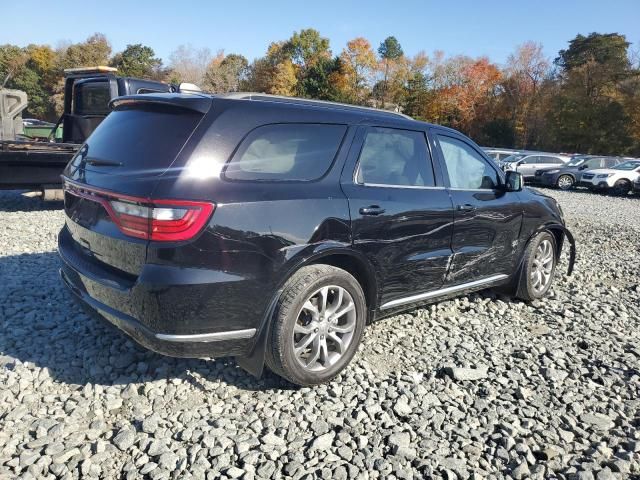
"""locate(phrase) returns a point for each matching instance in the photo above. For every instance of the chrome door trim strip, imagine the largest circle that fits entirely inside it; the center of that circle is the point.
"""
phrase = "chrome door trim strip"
(208, 337)
(442, 291)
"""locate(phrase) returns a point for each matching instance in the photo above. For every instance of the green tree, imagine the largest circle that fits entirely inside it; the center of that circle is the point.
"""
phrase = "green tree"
(390, 52)
(306, 47)
(138, 61)
(12, 61)
(226, 73)
(587, 114)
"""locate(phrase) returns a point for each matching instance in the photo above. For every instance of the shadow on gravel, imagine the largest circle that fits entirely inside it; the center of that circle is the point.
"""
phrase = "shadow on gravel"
(40, 323)
(14, 201)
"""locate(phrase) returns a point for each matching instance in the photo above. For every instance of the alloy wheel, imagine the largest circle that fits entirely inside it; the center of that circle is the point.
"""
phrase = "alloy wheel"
(565, 182)
(324, 328)
(542, 266)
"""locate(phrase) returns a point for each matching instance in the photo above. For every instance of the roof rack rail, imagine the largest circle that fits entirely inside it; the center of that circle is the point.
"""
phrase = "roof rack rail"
(306, 101)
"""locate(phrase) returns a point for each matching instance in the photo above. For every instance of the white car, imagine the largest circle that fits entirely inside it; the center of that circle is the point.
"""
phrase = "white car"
(619, 179)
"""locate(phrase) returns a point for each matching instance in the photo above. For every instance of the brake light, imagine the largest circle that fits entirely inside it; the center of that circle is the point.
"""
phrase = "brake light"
(161, 220)
(158, 220)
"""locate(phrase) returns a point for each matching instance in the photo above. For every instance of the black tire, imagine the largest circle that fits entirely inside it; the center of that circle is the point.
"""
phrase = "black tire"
(280, 356)
(525, 289)
(565, 182)
(622, 187)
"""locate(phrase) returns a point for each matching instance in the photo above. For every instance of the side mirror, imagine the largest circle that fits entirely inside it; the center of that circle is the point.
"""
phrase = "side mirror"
(513, 181)
(583, 167)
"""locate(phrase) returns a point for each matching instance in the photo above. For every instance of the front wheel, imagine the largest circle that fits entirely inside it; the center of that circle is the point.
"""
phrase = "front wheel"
(565, 182)
(622, 187)
(318, 324)
(538, 267)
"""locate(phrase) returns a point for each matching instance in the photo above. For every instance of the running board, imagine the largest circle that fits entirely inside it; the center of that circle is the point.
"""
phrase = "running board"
(442, 291)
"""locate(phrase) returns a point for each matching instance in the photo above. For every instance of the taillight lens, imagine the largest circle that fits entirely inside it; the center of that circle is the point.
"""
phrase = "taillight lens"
(158, 220)
(161, 220)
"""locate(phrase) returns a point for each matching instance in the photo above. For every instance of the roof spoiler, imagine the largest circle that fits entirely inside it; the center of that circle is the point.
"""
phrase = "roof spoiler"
(196, 103)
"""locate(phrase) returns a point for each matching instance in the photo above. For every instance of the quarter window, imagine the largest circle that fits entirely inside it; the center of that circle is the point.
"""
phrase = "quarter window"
(292, 151)
(395, 157)
(465, 167)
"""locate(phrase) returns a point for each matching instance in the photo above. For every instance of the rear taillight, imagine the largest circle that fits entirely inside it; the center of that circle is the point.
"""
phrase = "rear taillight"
(158, 220)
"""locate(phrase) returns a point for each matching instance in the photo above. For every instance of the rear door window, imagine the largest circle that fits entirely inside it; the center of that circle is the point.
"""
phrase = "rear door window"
(286, 152)
(395, 157)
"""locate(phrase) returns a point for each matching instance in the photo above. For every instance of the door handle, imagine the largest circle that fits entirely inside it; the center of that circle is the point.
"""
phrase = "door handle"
(467, 207)
(372, 210)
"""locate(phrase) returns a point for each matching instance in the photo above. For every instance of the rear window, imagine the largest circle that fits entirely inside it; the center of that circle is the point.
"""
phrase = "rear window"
(282, 152)
(145, 139)
(92, 98)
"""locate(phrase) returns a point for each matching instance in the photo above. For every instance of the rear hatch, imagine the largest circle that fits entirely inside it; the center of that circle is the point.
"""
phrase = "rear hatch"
(109, 183)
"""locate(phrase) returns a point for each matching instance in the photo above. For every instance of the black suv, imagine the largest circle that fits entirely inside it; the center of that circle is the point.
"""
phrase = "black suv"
(272, 228)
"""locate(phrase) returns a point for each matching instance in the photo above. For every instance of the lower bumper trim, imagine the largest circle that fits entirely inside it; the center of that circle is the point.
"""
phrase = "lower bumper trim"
(208, 337)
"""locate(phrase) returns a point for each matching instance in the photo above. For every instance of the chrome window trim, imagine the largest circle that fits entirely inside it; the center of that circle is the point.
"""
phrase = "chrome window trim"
(411, 187)
(208, 337)
(442, 291)
(474, 189)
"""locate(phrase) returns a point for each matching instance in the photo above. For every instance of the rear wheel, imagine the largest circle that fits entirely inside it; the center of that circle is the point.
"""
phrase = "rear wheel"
(622, 187)
(538, 267)
(318, 324)
(565, 182)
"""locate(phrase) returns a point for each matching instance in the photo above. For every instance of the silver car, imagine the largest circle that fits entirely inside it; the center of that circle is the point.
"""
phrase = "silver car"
(527, 163)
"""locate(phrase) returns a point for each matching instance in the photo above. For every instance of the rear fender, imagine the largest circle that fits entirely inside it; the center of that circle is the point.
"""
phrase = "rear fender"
(254, 362)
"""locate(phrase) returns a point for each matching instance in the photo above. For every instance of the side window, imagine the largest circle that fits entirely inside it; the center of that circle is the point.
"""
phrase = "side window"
(594, 162)
(395, 157)
(286, 151)
(465, 167)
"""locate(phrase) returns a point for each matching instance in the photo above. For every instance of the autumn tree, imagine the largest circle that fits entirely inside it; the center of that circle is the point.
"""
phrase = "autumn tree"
(358, 61)
(524, 76)
(225, 73)
(96, 50)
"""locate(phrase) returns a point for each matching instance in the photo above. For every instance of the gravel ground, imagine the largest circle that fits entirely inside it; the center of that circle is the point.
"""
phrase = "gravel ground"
(554, 389)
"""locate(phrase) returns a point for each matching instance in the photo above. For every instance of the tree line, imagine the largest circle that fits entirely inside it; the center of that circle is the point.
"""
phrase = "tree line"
(585, 100)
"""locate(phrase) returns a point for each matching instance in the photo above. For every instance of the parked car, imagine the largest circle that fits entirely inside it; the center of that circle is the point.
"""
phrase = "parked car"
(619, 179)
(277, 228)
(499, 154)
(527, 163)
(636, 185)
(568, 175)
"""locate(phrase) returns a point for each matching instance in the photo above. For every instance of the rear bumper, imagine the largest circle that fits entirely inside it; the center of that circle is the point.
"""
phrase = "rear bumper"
(168, 310)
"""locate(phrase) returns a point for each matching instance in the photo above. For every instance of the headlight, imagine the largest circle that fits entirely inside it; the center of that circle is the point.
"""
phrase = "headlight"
(551, 171)
(605, 175)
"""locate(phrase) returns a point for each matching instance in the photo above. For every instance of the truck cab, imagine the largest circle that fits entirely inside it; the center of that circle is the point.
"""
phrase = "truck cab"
(87, 93)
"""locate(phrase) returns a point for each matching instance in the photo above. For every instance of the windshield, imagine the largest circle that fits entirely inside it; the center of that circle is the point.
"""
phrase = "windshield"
(628, 165)
(513, 158)
(574, 162)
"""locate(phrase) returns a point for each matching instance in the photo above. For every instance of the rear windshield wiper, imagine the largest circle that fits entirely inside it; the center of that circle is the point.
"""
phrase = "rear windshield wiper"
(103, 163)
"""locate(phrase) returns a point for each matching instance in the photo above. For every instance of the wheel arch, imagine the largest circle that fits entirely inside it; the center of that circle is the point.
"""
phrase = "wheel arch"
(341, 257)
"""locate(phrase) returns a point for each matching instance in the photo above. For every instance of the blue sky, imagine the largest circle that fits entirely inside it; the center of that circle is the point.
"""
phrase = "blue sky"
(482, 27)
